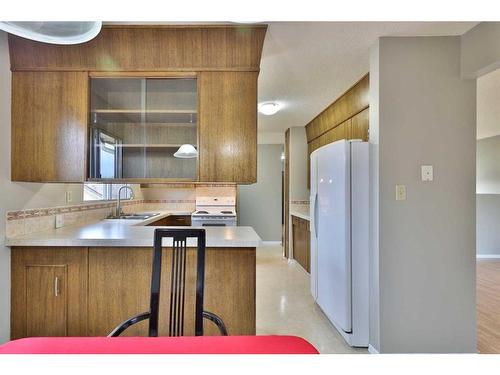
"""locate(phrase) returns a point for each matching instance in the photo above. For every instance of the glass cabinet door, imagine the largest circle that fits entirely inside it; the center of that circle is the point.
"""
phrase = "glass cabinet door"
(138, 124)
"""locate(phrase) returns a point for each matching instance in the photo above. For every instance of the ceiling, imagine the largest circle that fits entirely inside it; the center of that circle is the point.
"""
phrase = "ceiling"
(305, 66)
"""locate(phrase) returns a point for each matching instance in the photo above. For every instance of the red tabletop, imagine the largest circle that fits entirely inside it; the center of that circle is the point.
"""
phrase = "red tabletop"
(160, 345)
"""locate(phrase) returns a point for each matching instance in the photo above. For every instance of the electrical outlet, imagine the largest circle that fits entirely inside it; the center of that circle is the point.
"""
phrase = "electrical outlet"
(59, 221)
(400, 192)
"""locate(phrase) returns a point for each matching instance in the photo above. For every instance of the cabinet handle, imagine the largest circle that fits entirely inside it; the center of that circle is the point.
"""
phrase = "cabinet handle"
(56, 286)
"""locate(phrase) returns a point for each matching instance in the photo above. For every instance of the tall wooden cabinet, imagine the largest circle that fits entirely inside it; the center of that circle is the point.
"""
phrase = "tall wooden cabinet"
(49, 292)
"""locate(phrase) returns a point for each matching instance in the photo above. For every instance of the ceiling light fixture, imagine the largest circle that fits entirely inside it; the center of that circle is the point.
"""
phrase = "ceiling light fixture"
(186, 151)
(269, 108)
(54, 32)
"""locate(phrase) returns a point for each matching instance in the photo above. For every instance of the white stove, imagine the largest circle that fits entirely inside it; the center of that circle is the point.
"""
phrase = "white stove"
(214, 212)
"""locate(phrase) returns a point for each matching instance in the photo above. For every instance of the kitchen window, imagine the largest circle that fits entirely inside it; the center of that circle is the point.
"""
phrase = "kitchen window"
(104, 192)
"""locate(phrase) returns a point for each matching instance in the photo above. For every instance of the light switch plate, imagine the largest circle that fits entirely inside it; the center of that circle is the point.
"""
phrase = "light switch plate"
(427, 173)
(400, 192)
(69, 196)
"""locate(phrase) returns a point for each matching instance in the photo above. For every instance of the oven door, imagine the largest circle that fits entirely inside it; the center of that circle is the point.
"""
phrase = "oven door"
(213, 221)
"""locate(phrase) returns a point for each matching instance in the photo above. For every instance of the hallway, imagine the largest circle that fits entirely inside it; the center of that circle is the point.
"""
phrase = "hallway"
(285, 305)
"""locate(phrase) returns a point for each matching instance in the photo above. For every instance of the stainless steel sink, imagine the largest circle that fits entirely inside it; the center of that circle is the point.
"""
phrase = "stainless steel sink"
(136, 216)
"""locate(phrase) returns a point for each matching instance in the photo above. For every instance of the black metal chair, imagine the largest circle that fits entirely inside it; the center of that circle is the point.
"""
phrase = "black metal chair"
(177, 286)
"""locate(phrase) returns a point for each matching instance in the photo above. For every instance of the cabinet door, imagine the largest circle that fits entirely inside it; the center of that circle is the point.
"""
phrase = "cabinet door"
(49, 126)
(46, 300)
(300, 235)
(49, 292)
(137, 126)
(228, 127)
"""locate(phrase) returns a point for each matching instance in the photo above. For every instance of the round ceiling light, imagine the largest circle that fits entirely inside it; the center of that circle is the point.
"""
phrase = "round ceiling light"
(269, 108)
(54, 32)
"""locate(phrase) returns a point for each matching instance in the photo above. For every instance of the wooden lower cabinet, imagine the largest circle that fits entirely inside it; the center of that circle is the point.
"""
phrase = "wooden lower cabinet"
(48, 292)
(173, 221)
(119, 284)
(301, 237)
(89, 291)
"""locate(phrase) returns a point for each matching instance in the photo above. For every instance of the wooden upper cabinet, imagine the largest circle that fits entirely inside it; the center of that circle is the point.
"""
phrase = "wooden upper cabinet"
(149, 48)
(228, 127)
(49, 126)
(51, 103)
(352, 102)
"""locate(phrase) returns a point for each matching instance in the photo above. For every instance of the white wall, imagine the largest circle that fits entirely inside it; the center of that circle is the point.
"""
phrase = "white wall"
(267, 137)
(299, 158)
(259, 204)
(488, 196)
(426, 258)
(488, 110)
(487, 225)
(488, 165)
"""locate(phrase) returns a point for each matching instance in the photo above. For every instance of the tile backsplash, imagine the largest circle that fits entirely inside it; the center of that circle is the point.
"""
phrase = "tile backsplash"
(22, 222)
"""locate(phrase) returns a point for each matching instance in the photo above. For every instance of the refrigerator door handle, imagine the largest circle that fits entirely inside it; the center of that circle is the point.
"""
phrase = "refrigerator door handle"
(315, 216)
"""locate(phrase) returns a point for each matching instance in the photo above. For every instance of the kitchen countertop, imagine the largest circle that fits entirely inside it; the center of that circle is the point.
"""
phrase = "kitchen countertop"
(301, 211)
(131, 233)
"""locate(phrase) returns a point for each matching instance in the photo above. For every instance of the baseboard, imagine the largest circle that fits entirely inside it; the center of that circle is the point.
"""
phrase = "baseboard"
(488, 256)
(270, 243)
(372, 350)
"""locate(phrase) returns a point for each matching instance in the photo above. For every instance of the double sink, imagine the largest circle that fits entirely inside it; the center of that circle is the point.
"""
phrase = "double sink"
(137, 216)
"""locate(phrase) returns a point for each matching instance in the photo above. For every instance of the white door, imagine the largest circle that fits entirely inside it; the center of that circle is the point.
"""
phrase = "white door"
(333, 227)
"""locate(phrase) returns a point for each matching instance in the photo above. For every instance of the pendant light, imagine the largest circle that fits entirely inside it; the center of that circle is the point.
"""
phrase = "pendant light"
(54, 32)
(186, 151)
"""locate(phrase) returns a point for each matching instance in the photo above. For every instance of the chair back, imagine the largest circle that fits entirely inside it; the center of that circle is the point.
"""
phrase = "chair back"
(177, 280)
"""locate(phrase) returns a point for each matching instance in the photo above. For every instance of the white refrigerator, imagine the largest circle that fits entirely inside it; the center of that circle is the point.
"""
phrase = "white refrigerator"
(339, 237)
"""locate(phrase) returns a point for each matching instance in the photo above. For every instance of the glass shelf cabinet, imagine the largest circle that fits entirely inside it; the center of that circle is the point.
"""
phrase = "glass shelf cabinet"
(136, 126)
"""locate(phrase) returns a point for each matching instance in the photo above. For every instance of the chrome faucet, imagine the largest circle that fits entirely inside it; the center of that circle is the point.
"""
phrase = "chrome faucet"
(119, 212)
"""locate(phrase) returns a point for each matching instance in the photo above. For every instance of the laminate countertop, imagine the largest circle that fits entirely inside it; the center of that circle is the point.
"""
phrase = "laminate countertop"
(300, 211)
(131, 233)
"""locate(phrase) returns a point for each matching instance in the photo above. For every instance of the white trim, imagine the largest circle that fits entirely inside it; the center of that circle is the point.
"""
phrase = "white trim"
(372, 350)
(270, 243)
(488, 256)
